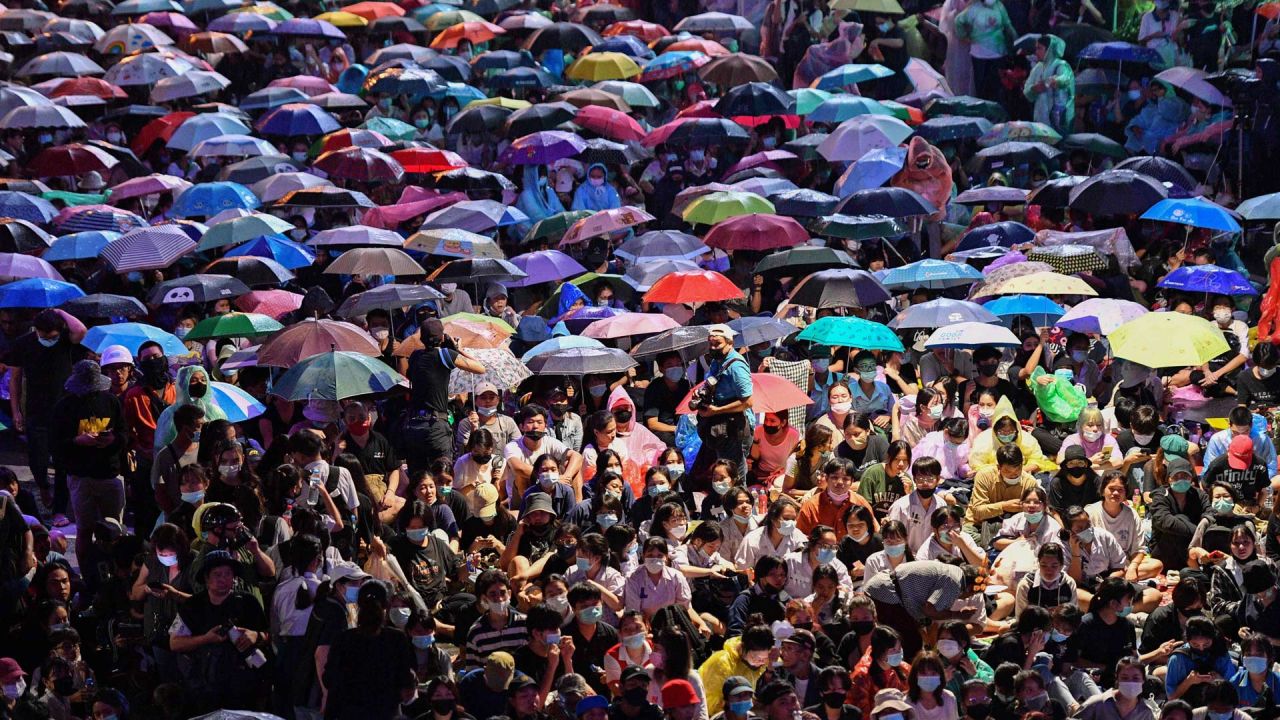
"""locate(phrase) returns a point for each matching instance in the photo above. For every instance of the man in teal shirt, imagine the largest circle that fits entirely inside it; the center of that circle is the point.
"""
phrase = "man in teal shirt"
(985, 25)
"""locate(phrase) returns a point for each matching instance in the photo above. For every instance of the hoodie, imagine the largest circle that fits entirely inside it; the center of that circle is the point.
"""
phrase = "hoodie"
(982, 456)
(1055, 104)
(926, 171)
(570, 294)
(591, 197)
(722, 665)
(642, 446)
(165, 431)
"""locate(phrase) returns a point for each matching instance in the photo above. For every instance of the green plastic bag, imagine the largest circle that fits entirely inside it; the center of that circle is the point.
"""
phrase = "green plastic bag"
(1061, 400)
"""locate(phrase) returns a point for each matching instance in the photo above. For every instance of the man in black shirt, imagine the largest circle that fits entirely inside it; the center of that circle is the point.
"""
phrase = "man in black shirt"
(427, 560)
(1259, 386)
(663, 395)
(371, 448)
(427, 433)
(591, 638)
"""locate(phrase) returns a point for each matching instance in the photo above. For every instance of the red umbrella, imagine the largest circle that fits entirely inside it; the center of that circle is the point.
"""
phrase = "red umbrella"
(96, 87)
(358, 163)
(700, 109)
(276, 303)
(646, 31)
(610, 123)
(347, 137)
(693, 286)
(756, 232)
(73, 159)
(312, 337)
(704, 46)
(428, 160)
(769, 393)
(660, 134)
(158, 130)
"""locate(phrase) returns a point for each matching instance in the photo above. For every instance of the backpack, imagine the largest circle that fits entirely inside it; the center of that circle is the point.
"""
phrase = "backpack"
(678, 616)
(345, 539)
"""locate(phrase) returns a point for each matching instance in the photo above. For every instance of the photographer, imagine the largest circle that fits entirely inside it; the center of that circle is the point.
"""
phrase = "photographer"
(427, 435)
(722, 404)
(221, 531)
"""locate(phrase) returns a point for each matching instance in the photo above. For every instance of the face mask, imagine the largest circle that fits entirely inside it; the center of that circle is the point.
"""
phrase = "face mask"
(743, 517)
(1265, 373)
(1011, 481)
(1079, 356)
(948, 648)
(1124, 611)
(181, 331)
(935, 411)
(548, 479)
(534, 435)
(560, 603)
(741, 707)
(422, 642)
(1255, 663)
(675, 470)
(416, 536)
(678, 531)
(1180, 486)
(820, 366)
(1034, 517)
(697, 155)
(167, 560)
(14, 690)
(44, 139)
(1092, 435)
(826, 555)
(606, 521)
(979, 711)
(1223, 506)
(197, 390)
(590, 615)
(196, 437)
(399, 616)
(867, 377)
(654, 565)
(769, 143)
(895, 550)
(884, 26)
(1135, 95)
(49, 342)
(227, 471)
(1037, 702)
(861, 538)
(193, 497)
(1143, 439)
(656, 490)
(986, 412)
(928, 683)
(597, 390)
(1007, 437)
(841, 408)
(987, 369)
(498, 607)
(673, 373)
(893, 659)
(1222, 315)
(633, 641)
(838, 497)
(926, 493)
(786, 527)
(596, 182)
(1085, 535)
(298, 234)
(720, 488)
(1130, 689)
(559, 409)
(351, 594)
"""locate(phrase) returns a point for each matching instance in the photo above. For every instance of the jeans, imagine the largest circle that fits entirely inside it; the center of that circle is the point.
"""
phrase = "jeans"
(38, 462)
(986, 78)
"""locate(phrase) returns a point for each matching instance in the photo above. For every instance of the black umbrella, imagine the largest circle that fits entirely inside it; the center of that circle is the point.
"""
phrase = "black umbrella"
(536, 118)
(1056, 193)
(100, 306)
(1006, 234)
(806, 148)
(251, 170)
(840, 288)
(1162, 169)
(64, 41)
(395, 23)
(20, 236)
(489, 8)
(605, 14)
(129, 163)
(706, 131)
(450, 67)
(1011, 154)
(502, 60)
(570, 37)
(198, 288)
(521, 77)
(250, 270)
(325, 196)
(966, 106)
(477, 270)
(581, 361)
(469, 179)
(803, 202)
(479, 119)
(388, 297)
(953, 127)
(689, 342)
(1117, 192)
(755, 99)
(891, 202)
(803, 260)
(599, 150)
(859, 227)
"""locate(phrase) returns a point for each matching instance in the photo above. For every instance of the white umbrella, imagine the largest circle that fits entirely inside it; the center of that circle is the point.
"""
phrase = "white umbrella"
(61, 64)
(85, 29)
(131, 38)
(42, 116)
(232, 146)
(1100, 315)
(15, 96)
(972, 335)
(860, 135)
(146, 69)
(192, 84)
(277, 186)
(196, 129)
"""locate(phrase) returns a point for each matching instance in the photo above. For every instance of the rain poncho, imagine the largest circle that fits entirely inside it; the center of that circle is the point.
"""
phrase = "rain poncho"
(958, 67)
(986, 26)
(593, 197)
(821, 57)
(1156, 121)
(165, 431)
(982, 454)
(570, 294)
(536, 200)
(926, 171)
(1055, 104)
(642, 446)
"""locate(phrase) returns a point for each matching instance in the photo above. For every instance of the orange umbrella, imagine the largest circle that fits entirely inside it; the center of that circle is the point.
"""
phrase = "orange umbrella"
(646, 31)
(372, 10)
(473, 32)
(702, 45)
(1269, 10)
(470, 333)
(693, 286)
(214, 42)
(160, 129)
(96, 87)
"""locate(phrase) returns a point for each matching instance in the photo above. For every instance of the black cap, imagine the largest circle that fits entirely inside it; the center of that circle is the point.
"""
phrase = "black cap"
(216, 559)
(1258, 577)
(519, 682)
(374, 590)
(634, 671)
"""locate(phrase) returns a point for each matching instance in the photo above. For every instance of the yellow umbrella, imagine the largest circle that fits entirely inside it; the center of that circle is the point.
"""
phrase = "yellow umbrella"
(594, 67)
(1168, 339)
(503, 102)
(1042, 283)
(343, 19)
(874, 7)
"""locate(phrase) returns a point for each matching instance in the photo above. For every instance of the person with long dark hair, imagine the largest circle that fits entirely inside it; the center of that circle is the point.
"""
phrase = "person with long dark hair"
(370, 672)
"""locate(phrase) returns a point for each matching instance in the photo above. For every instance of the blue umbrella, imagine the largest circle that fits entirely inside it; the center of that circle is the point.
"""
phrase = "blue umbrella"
(296, 119)
(556, 344)
(1208, 279)
(132, 335)
(22, 206)
(931, 275)
(235, 403)
(271, 97)
(37, 293)
(628, 45)
(1040, 309)
(1119, 52)
(756, 330)
(850, 74)
(461, 92)
(521, 77)
(1194, 212)
(286, 252)
(80, 246)
(872, 171)
(941, 312)
(208, 199)
(1005, 234)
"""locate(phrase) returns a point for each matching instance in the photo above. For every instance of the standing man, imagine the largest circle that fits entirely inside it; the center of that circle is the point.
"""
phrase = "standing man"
(143, 404)
(88, 438)
(723, 416)
(41, 362)
(427, 434)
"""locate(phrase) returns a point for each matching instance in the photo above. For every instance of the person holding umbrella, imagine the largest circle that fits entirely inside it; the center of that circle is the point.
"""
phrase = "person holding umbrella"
(427, 430)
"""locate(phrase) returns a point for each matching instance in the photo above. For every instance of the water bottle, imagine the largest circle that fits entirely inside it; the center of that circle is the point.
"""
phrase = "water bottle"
(253, 657)
(313, 487)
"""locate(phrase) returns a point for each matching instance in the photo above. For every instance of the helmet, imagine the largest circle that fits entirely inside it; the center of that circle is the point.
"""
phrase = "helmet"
(216, 516)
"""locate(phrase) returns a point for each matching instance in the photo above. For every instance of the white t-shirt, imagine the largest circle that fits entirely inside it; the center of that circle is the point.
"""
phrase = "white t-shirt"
(517, 449)
(1125, 527)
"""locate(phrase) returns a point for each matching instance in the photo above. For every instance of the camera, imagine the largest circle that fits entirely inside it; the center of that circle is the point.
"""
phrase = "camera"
(240, 539)
(702, 397)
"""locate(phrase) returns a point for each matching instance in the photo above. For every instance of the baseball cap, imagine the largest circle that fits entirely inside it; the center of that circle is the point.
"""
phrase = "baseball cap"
(803, 638)
(10, 670)
(1240, 452)
(538, 501)
(519, 682)
(591, 702)
(115, 355)
(678, 694)
(735, 684)
(635, 671)
(722, 330)
(486, 501)
(346, 571)
(498, 669)
(1178, 466)
(486, 387)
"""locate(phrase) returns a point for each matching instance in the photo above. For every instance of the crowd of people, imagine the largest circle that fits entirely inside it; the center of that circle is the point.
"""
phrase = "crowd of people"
(780, 359)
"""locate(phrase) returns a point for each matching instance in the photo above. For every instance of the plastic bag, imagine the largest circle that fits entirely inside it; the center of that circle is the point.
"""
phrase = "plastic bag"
(1061, 400)
(687, 440)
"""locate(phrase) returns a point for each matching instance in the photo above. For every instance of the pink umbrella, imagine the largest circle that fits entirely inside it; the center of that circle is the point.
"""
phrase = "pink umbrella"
(628, 324)
(274, 303)
(427, 201)
(152, 184)
(312, 337)
(604, 223)
(769, 158)
(358, 163)
(16, 266)
(756, 232)
(308, 84)
(172, 20)
(610, 123)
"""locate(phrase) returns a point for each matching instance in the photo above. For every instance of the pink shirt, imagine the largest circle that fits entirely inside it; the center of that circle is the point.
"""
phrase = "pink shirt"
(773, 458)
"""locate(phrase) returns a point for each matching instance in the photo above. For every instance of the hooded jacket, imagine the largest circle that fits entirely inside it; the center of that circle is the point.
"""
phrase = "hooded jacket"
(982, 455)
(642, 446)
(590, 197)
(722, 665)
(927, 172)
(1055, 105)
(165, 431)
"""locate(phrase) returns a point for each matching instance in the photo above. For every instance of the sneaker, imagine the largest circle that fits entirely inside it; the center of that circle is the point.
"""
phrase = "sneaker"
(60, 520)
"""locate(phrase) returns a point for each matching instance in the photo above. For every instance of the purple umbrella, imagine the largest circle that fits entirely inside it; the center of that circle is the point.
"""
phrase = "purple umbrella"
(15, 266)
(148, 249)
(543, 148)
(478, 216)
(577, 320)
(545, 266)
(308, 27)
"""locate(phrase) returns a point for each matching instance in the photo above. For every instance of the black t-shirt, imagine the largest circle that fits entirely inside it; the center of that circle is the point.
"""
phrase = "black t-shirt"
(850, 552)
(428, 567)
(1127, 442)
(877, 447)
(366, 673)
(1002, 388)
(1103, 644)
(44, 370)
(588, 655)
(1245, 483)
(535, 665)
(1254, 393)
(200, 615)
(429, 374)
(376, 457)
(660, 401)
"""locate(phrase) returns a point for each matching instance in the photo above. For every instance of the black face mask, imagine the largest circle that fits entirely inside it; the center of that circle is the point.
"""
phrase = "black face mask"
(833, 700)
(863, 627)
(773, 429)
(564, 552)
(986, 370)
(622, 417)
(197, 390)
(534, 435)
(636, 696)
(481, 459)
(539, 530)
(559, 408)
(155, 371)
(978, 711)
(444, 707)
(926, 493)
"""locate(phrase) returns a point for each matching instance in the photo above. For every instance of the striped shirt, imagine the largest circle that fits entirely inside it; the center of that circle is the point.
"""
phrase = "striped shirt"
(482, 639)
(922, 581)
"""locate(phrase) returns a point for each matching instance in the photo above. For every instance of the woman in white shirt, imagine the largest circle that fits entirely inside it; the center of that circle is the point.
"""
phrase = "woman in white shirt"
(1032, 523)
(820, 550)
(740, 521)
(928, 699)
(778, 536)
(478, 465)
(948, 541)
(894, 536)
(655, 585)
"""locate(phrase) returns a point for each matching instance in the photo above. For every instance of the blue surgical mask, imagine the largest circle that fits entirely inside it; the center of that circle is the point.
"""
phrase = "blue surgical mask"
(193, 497)
(928, 683)
(894, 659)
(1034, 517)
(656, 490)
(895, 551)
(1058, 637)
(606, 521)
(826, 555)
(416, 536)
(422, 642)
(49, 342)
(181, 331)
(1007, 437)
(351, 593)
(1124, 611)
(591, 615)
(583, 563)
(1256, 663)
(597, 390)
(740, 708)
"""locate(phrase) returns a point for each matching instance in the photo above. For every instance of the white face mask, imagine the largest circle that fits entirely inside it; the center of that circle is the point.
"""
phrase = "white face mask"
(1143, 439)
(1222, 315)
(948, 648)
(1265, 373)
(1091, 435)
(654, 565)
(14, 690)
(841, 407)
(986, 412)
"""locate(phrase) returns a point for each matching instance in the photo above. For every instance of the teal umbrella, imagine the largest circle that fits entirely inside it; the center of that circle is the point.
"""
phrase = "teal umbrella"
(337, 375)
(851, 332)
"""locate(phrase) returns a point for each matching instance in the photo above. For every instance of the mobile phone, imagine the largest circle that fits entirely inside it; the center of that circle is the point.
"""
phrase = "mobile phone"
(155, 585)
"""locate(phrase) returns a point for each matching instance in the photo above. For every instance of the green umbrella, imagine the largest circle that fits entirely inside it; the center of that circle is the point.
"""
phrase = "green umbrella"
(807, 99)
(242, 229)
(392, 128)
(556, 225)
(234, 325)
(1019, 131)
(337, 375)
(718, 206)
(622, 290)
(851, 332)
(1094, 143)
(900, 111)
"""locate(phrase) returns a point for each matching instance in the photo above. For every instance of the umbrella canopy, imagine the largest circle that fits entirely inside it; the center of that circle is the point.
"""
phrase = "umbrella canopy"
(387, 297)
(1041, 283)
(208, 199)
(931, 274)
(236, 404)
(1069, 259)
(577, 362)
(312, 337)
(769, 394)
(719, 206)
(1167, 339)
(80, 246)
(1117, 192)
(605, 222)
(840, 288)
(148, 248)
(941, 312)
(234, 325)
(756, 233)
(198, 288)
(1042, 311)
(970, 335)
(16, 266)
(103, 306)
(242, 229)
(1160, 168)
(336, 375)
(272, 303)
(131, 335)
(38, 293)
(1208, 279)
(1100, 315)
(1193, 212)
(661, 244)
(453, 243)
(851, 332)
(692, 287)
(628, 325)
(374, 261)
(545, 266)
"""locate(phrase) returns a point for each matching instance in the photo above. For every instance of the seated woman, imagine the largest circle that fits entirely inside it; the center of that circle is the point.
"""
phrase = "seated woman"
(1049, 585)
(1006, 429)
(1204, 653)
(1032, 523)
(1226, 571)
(948, 541)
(1118, 517)
(880, 667)
(804, 468)
(1091, 435)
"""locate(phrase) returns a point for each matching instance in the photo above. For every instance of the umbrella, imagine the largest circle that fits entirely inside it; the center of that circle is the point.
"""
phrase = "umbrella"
(577, 362)
(1208, 279)
(1160, 168)
(39, 117)
(234, 325)
(70, 159)
(804, 203)
(374, 261)
(992, 194)
(294, 119)
(717, 206)
(256, 169)
(555, 225)
(208, 199)
(16, 266)
(308, 27)
(97, 217)
(569, 37)
(453, 243)
(643, 276)
(1100, 316)
(131, 335)
(476, 270)
(931, 274)
(26, 209)
(661, 244)
(60, 64)
(1069, 259)
(276, 187)
(238, 406)
(971, 335)
(428, 160)
(851, 332)
(713, 22)
(839, 108)
(840, 288)
(756, 232)
(855, 138)
(1193, 212)
(545, 266)
(37, 293)
(642, 29)
(1167, 339)
(80, 246)
(149, 248)
(890, 202)
(940, 313)
(596, 66)
(312, 337)
(501, 368)
(325, 196)
(1117, 192)
(290, 255)
(198, 288)
(688, 342)
(1194, 82)
(1042, 311)
(692, 287)
(966, 106)
(565, 342)
(609, 123)
(542, 148)
(272, 303)
(950, 128)
(147, 69)
(1262, 207)
(1019, 131)
(243, 229)
(1041, 283)
(360, 163)
(1094, 143)
(535, 118)
(102, 306)
(152, 184)
(387, 297)
(769, 394)
(272, 97)
(336, 375)
(190, 131)
(187, 85)
(605, 222)
(859, 227)
(474, 215)
(873, 170)
(1010, 154)
(736, 69)
(755, 99)
(629, 324)
(1055, 193)
(801, 261)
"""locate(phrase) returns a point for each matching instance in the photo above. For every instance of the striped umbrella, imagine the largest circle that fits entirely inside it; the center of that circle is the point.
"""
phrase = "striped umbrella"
(86, 218)
(148, 249)
(235, 403)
